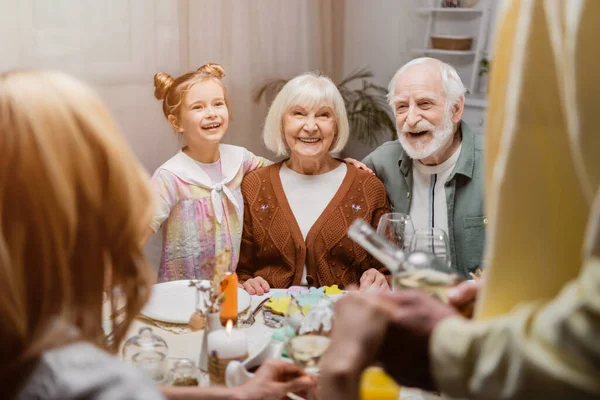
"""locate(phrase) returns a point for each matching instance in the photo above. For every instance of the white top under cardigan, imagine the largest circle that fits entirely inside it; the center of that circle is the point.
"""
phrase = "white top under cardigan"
(309, 195)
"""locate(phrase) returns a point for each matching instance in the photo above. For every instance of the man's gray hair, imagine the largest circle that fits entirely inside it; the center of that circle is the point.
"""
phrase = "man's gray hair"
(452, 84)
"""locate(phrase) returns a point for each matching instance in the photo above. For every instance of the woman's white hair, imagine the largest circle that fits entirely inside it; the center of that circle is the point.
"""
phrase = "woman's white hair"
(305, 90)
(451, 82)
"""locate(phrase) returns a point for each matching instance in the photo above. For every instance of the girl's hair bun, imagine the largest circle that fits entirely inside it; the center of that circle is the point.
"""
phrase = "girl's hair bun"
(162, 84)
(214, 70)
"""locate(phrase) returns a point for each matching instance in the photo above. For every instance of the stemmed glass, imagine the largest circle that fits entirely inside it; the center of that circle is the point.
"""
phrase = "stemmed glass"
(310, 318)
(397, 228)
(433, 241)
(428, 266)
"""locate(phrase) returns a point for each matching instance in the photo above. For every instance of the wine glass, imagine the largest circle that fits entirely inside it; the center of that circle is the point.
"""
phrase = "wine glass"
(433, 241)
(428, 266)
(397, 228)
(310, 318)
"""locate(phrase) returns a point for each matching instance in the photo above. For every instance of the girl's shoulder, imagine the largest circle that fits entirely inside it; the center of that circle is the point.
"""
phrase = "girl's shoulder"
(179, 160)
(233, 152)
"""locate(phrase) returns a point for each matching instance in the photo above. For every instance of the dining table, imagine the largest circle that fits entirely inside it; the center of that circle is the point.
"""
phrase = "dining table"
(184, 343)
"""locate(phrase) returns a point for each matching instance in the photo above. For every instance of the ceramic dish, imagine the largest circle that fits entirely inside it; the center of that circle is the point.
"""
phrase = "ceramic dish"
(174, 302)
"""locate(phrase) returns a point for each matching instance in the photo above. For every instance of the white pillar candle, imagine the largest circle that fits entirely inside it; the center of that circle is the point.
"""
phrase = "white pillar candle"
(228, 343)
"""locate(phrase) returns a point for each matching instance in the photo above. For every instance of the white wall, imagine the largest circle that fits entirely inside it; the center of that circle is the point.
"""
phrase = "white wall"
(116, 46)
(378, 34)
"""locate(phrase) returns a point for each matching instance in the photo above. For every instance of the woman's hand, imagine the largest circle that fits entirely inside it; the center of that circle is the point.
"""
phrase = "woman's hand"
(463, 296)
(273, 380)
(373, 280)
(359, 165)
(256, 286)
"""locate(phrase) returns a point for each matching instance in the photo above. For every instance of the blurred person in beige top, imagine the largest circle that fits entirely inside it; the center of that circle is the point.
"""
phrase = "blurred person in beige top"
(536, 333)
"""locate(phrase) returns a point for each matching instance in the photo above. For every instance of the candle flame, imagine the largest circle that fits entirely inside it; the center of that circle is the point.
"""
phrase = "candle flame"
(229, 326)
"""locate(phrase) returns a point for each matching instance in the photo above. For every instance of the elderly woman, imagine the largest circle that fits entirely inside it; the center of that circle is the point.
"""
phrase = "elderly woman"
(297, 212)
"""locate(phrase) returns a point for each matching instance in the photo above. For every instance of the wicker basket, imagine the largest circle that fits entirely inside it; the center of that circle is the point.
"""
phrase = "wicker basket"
(457, 43)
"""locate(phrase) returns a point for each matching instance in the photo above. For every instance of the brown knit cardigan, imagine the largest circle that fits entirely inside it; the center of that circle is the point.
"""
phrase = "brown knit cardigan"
(272, 243)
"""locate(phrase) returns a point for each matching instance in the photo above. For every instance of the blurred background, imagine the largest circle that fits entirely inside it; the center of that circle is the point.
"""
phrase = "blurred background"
(118, 45)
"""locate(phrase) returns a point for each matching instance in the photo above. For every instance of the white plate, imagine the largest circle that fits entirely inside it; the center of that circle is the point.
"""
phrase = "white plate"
(174, 302)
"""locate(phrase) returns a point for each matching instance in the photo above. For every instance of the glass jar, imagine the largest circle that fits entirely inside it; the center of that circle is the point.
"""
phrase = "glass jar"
(148, 352)
(184, 373)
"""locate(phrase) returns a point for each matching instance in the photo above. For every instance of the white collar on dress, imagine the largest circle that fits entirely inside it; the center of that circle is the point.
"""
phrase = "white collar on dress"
(186, 169)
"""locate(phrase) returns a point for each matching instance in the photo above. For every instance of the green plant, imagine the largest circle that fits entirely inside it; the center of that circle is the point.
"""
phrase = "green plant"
(484, 66)
(369, 113)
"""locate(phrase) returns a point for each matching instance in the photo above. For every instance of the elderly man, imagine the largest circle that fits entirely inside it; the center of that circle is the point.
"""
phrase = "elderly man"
(434, 172)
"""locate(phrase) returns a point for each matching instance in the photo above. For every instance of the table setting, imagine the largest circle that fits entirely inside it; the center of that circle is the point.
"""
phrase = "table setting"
(201, 332)
(183, 345)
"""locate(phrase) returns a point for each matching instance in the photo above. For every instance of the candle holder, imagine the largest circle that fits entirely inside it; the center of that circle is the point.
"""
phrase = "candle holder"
(224, 346)
(217, 367)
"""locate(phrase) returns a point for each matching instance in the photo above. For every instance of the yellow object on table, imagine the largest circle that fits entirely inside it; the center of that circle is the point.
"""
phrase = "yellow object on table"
(376, 384)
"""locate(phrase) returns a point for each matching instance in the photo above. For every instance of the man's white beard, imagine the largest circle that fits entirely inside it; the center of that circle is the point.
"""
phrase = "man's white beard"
(441, 136)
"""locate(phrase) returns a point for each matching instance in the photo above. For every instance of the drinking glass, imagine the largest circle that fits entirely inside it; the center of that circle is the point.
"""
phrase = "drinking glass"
(311, 320)
(397, 228)
(433, 241)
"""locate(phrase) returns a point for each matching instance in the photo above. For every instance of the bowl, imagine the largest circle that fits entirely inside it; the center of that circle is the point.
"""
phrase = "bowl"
(448, 42)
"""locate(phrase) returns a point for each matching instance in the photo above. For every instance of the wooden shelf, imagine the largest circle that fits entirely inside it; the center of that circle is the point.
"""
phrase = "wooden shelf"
(452, 10)
(447, 52)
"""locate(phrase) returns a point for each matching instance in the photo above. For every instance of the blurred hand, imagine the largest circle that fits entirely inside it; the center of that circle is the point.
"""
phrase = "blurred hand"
(463, 296)
(256, 286)
(273, 380)
(373, 280)
(359, 165)
(405, 352)
(359, 329)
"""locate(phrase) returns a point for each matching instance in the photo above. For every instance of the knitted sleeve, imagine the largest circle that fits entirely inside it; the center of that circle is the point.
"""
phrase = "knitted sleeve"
(379, 205)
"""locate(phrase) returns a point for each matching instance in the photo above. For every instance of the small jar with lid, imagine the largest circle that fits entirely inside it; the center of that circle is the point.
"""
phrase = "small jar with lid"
(148, 352)
(184, 373)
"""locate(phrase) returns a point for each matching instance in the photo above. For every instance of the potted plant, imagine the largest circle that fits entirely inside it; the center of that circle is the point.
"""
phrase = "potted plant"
(369, 114)
(484, 70)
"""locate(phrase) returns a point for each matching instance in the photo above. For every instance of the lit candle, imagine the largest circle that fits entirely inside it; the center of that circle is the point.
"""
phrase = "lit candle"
(225, 345)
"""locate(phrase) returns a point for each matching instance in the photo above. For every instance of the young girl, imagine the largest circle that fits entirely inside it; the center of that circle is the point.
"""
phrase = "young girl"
(198, 191)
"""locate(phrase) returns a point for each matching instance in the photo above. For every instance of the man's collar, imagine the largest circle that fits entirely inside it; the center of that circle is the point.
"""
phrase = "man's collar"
(466, 160)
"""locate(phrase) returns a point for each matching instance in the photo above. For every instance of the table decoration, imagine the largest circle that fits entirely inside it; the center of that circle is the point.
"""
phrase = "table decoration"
(184, 373)
(225, 345)
(148, 352)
